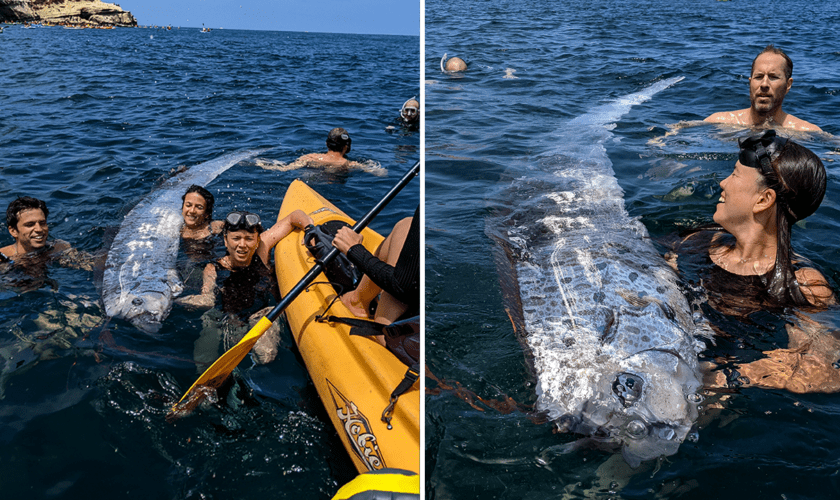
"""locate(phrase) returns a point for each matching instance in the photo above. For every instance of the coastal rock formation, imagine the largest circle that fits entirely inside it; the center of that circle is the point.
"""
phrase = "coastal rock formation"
(68, 12)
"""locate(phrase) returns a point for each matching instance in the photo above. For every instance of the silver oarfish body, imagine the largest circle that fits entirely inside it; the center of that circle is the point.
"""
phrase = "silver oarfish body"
(613, 340)
(140, 279)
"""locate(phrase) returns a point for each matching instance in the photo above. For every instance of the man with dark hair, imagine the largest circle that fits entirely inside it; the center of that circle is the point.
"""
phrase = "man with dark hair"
(26, 219)
(338, 145)
(770, 81)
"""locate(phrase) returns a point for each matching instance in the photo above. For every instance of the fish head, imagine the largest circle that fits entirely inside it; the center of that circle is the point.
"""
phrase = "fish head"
(145, 309)
(147, 303)
(656, 396)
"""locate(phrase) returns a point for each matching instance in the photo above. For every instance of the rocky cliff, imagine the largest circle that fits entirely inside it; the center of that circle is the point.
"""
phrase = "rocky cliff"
(70, 12)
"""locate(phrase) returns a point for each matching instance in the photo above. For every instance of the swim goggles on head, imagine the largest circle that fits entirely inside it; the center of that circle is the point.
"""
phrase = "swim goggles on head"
(757, 150)
(242, 220)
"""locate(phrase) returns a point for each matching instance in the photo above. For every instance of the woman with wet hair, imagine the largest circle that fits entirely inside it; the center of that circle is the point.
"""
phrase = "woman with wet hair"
(775, 183)
(243, 280)
(746, 265)
(197, 210)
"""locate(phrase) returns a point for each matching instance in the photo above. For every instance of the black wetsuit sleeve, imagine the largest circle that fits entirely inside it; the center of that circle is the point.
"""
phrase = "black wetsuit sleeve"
(402, 280)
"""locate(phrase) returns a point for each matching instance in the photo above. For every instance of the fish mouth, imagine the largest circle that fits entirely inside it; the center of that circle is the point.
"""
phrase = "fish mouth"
(653, 446)
(146, 322)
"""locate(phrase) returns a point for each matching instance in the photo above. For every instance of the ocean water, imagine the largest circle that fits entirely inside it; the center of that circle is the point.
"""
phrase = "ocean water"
(93, 120)
(534, 66)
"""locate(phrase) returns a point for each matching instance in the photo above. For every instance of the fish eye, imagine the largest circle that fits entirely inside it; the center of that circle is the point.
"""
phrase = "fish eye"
(636, 429)
(137, 302)
(628, 388)
(695, 398)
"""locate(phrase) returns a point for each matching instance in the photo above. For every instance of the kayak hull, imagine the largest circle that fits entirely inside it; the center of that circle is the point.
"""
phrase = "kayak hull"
(354, 375)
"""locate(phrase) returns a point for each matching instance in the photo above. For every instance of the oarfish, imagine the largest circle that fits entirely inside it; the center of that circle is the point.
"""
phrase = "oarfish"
(613, 340)
(140, 279)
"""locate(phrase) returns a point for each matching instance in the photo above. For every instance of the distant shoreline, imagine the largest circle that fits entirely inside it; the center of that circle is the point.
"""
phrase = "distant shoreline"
(70, 13)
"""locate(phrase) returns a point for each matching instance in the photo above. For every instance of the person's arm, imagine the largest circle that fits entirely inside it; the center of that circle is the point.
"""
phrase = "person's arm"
(297, 219)
(806, 366)
(69, 257)
(207, 298)
(402, 280)
(815, 287)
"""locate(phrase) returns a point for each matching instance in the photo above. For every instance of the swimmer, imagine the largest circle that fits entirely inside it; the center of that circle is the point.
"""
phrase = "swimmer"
(197, 210)
(26, 219)
(338, 145)
(244, 280)
(770, 81)
(747, 264)
(775, 183)
(453, 65)
(410, 111)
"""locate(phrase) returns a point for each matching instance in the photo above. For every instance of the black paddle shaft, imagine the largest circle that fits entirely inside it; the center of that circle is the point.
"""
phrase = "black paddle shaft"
(361, 224)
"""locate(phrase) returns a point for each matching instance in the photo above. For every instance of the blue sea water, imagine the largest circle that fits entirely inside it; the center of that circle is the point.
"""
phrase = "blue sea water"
(93, 120)
(534, 66)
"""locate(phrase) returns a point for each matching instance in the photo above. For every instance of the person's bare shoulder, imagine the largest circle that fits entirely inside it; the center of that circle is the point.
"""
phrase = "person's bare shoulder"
(815, 287)
(798, 124)
(730, 117)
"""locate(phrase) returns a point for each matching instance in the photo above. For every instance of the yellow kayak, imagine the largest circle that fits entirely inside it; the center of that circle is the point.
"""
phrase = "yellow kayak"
(354, 375)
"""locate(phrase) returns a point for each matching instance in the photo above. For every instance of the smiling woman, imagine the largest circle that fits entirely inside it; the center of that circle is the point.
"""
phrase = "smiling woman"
(774, 184)
(751, 267)
(197, 209)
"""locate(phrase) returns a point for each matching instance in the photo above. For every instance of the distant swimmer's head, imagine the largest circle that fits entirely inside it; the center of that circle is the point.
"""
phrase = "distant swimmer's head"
(242, 237)
(455, 65)
(26, 218)
(197, 206)
(338, 139)
(770, 80)
(410, 111)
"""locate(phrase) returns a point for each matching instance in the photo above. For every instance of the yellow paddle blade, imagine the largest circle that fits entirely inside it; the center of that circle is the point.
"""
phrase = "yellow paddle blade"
(219, 371)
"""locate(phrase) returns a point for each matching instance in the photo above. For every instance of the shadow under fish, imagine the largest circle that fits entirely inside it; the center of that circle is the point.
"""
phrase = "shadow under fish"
(612, 340)
(140, 279)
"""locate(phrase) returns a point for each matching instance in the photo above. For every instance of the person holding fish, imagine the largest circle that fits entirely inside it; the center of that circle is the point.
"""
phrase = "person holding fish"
(747, 264)
(244, 282)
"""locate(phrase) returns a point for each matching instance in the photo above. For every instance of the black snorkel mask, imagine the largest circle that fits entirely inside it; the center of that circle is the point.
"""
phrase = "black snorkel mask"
(243, 221)
(757, 151)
